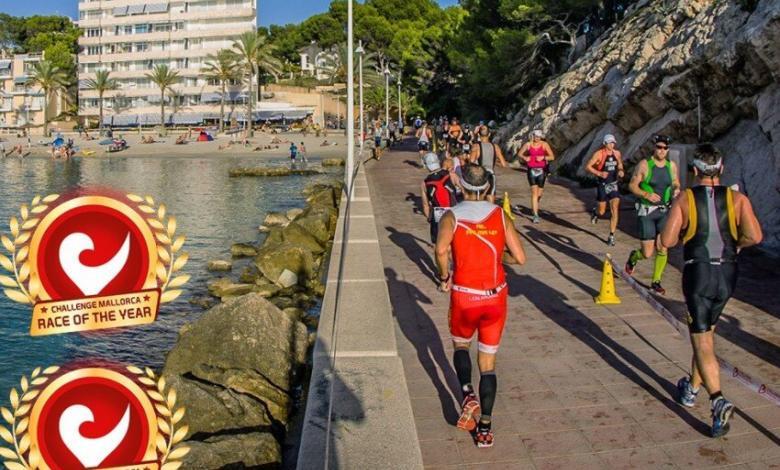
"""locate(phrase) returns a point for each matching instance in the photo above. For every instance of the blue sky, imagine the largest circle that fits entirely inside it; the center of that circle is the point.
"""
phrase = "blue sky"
(271, 11)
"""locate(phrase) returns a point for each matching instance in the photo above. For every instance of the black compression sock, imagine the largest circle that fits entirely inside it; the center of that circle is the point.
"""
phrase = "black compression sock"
(487, 392)
(462, 361)
(715, 395)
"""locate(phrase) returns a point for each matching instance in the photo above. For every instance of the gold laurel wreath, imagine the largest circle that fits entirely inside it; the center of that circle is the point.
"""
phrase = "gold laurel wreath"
(169, 438)
(22, 287)
(167, 247)
(18, 436)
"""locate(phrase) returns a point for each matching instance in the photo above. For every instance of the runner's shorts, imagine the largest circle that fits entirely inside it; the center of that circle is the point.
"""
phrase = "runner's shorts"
(493, 183)
(486, 315)
(707, 287)
(607, 192)
(652, 224)
(423, 146)
(537, 177)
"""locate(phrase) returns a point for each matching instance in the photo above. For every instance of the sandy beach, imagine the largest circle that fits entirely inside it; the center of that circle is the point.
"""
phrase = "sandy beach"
(166, 146)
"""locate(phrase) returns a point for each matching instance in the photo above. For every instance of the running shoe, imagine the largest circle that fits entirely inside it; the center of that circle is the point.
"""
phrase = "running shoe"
(611, 240)
(657, 288)
(686, 395)
(536, 219)
(470, 406)
(594, 216)
(721, 412)
(484, 437)
(630, 266)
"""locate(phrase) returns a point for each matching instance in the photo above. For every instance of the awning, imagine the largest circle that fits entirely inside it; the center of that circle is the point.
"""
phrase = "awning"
(21, 80)
(5, 64)
(120, 11)
(156, 8)
(296, 114)
(121, 120)
(188, 118)
(237, 96)
(135, 9)
(84, 85)
(210, 97)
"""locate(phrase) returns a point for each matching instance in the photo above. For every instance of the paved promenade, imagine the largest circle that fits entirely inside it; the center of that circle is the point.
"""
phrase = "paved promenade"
(580, 385)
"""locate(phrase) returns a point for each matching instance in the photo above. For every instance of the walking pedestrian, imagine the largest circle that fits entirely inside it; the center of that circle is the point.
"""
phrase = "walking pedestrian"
(716, 223)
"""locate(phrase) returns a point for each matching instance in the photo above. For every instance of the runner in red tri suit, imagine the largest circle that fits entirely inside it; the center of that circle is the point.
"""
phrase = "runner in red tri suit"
(477, 233)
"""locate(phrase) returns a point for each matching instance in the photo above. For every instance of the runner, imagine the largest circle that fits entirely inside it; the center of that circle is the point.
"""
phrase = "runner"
(453, 134)
(477, 233)
(424, 137)
(537, 155)
(466, 139)
(655, 183)
(607, 165)
(485, 154)
(438, 193)
(378, 139)
(717, 223)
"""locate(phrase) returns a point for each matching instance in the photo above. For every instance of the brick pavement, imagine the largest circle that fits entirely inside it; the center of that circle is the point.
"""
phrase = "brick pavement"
(579, 385)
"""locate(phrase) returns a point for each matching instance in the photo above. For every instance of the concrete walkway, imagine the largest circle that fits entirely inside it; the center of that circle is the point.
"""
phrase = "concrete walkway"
(580, 386)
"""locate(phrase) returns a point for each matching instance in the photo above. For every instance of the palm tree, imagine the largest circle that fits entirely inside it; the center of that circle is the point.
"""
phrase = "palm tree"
(222, 67)
(254, 54)
(164, 78)
(101, 83)
(51, 79)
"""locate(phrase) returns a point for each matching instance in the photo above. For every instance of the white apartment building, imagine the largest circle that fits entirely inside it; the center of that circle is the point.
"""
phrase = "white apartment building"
(130, 37)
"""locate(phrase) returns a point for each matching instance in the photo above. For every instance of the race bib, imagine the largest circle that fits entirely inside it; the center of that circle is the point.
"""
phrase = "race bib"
(537, 172)
(466, 147)
(611, 187)
(438, 213)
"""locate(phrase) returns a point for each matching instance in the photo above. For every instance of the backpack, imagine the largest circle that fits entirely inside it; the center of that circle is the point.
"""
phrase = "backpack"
(441, 196)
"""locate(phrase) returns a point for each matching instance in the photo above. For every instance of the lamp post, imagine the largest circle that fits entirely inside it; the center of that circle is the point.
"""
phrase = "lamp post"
(387, 102)
(350, 105)
(400, 118)
(360, 51)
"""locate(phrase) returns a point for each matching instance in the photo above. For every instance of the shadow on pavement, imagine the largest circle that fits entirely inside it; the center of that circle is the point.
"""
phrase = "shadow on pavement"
(551, 302)
(413, 251)
(421, 331)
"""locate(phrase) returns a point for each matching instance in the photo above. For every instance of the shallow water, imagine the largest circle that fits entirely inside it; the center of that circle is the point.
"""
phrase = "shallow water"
(213, 211)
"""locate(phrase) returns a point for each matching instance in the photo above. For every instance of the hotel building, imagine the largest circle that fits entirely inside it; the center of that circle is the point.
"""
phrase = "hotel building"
(21, 103)
(130, 37)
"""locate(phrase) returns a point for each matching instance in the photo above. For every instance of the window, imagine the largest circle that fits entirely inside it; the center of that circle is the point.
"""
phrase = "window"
(94, 32)
(93, 50)
(141, 28)
(141, 47)
(158, 28)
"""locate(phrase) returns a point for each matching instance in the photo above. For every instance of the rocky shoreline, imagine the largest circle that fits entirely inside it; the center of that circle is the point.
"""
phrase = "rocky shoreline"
(237, 368)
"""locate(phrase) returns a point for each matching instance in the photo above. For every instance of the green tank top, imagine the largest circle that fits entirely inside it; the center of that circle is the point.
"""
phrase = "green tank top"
(658, 182)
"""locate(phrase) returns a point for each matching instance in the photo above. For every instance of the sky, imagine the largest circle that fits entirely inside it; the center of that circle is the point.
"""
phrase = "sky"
(270, 11)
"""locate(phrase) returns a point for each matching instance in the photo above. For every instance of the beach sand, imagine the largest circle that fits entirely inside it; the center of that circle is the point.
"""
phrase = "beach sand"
(167, 147)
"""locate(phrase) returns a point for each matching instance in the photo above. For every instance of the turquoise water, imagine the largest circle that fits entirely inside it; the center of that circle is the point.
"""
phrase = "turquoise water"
(213, 211)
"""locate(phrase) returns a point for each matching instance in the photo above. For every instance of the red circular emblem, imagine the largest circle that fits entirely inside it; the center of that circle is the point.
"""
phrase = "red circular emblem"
(91, 246)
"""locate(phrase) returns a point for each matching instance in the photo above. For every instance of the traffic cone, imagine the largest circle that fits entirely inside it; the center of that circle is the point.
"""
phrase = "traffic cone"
(508, 207)
(607, 295)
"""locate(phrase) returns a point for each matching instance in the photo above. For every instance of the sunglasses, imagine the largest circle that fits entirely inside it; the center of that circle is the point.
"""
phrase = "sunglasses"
(662, 147)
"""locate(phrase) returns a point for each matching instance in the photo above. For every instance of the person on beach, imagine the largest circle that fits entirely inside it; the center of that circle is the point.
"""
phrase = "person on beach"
(18, 149)
(715, 222)
(655, 183)
(606, 164)
(487, 154)
(302, 151)
(476, 232)
(438, 193)
(293, 153)
(537, 155)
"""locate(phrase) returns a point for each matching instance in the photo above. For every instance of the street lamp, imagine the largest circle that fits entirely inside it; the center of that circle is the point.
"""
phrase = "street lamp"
(387, 102)
(400, 118)
(360, 51)
(350, 118)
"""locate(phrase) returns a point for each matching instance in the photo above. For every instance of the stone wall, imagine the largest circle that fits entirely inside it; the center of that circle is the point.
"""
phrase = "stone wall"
(648, 74)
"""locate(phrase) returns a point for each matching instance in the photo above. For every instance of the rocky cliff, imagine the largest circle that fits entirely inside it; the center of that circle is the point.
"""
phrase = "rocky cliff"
(673, 67)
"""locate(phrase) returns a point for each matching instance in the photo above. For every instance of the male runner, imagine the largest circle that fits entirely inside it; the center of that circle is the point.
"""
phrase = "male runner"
(716, 222)
(424, 137)
(477, 233)
(453, 134)
(537, 155)
(438, 193)
(485, 154)
(466, 139)
(655, 183)
(607, 165)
